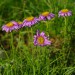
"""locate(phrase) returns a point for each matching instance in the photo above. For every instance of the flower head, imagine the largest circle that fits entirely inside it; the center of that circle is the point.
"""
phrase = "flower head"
(41, 39)
(30, 21)
(10, 26)
(20, 24)
(46, 15)
(65, 12)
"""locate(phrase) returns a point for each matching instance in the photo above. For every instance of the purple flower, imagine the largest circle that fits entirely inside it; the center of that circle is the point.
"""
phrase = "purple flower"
(41, 39)
(30, 21)
(10, 26)
(46, 15)
(64, 12)
(20, 24)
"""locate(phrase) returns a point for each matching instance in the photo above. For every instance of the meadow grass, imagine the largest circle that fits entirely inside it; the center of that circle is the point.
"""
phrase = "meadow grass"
(19, 56)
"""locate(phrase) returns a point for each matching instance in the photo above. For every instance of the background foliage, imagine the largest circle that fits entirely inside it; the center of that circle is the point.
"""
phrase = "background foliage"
(23, 58)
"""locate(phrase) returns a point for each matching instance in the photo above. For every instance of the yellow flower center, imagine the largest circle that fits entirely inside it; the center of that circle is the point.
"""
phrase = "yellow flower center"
(45, 13)
(29, 18)
(40, 40)
(10, 24)
(19, 23)
(64, 10)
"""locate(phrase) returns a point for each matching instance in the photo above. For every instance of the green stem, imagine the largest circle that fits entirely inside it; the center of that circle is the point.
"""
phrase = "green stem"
(11, 40)
(34, 70)
(65, 25)
(65, 30)
(64, 43)
(12, 45)
(32, 32)
(46, 26)
(19, 39)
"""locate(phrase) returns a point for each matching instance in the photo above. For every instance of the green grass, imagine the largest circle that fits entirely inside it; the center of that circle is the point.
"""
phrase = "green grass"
(19, 56)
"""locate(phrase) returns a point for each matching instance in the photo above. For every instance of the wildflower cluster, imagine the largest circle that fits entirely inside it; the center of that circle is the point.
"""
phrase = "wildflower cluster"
(40, 38)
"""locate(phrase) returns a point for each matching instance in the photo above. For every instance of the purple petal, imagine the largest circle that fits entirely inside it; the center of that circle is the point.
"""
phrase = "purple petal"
(42, 34)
